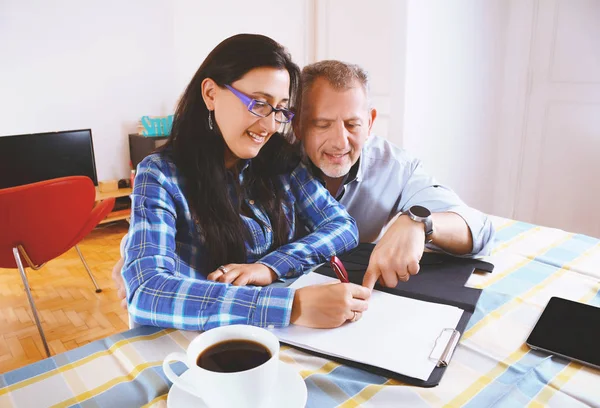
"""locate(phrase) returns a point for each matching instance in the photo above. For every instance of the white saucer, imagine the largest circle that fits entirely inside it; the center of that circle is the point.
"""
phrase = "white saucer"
(289, 391)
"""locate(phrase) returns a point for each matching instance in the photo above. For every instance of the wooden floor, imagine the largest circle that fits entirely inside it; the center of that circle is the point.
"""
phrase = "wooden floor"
(72, 314)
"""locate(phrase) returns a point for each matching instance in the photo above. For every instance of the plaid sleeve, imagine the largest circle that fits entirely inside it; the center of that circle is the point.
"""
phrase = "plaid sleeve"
(333, 230)
(157, 295)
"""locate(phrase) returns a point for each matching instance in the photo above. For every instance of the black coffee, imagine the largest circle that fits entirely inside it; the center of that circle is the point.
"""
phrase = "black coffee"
(233, 355)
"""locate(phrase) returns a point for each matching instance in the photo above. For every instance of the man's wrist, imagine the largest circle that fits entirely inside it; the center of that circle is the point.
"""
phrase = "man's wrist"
(406, 221)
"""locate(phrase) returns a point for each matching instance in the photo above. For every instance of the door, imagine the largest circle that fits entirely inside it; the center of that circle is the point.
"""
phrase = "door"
(558, 183)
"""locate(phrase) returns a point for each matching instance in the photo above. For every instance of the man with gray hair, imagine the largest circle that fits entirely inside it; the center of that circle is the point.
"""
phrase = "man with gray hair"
(395, 203)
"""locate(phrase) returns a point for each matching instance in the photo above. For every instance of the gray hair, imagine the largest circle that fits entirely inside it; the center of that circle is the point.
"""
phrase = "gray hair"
(340, 75)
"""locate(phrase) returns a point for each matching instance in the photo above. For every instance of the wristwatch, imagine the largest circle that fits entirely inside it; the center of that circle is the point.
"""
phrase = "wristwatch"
(421, 214)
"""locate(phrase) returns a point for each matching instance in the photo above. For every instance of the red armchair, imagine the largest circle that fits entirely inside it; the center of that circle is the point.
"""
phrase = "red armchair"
(41, 221)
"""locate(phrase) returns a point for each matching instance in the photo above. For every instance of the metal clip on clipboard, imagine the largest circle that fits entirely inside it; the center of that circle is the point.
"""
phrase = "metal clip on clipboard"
(444, 359)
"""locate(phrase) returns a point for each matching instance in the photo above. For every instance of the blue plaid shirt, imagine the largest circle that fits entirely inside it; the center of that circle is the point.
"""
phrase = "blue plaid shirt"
(165, 264)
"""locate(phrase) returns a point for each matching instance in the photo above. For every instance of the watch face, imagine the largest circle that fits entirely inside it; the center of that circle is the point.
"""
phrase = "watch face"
(420, 211)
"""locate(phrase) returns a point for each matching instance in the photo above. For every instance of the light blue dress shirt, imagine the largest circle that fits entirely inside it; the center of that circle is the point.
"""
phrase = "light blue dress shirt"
(387, 180)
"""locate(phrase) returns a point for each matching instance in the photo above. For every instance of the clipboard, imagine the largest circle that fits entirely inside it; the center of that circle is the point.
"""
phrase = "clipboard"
(450, 345)
(441, 279)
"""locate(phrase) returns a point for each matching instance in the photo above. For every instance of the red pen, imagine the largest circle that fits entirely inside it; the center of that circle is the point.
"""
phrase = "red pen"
(338, 268)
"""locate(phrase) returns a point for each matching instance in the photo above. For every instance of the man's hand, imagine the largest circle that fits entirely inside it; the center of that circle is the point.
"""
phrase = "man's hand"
(244, 274)
(396, 256)
(119, 283)
(330, 305)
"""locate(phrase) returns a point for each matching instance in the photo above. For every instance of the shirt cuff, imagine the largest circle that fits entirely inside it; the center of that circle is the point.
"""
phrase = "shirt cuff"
(273, 307)
(480, 226)
(281, 264)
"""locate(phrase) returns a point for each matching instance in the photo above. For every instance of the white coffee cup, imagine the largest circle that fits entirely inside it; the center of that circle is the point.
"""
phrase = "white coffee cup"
(250, 388)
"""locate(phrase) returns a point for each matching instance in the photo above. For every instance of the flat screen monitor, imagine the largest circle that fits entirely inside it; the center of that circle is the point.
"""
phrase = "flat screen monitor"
(36, 157)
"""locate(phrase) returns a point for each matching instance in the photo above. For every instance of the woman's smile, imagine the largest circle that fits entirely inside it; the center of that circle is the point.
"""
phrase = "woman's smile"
(257, 138)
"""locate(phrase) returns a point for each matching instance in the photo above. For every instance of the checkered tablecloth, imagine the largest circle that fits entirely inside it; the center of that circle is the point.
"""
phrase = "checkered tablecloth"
(491, 366)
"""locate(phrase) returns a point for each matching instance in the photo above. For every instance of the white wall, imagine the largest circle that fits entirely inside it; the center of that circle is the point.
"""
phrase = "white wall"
(436, 79)
(436, 69)
(454, 77)
(69, 64)
(199, 28)
(350, 31)
(519, 33)
(552, 111)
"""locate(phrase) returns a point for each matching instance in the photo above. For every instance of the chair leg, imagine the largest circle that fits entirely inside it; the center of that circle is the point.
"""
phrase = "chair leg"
(87, 268)
(27, 287)
(31, 303)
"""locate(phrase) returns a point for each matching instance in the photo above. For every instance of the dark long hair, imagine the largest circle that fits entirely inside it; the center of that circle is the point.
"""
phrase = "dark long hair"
(198, 152)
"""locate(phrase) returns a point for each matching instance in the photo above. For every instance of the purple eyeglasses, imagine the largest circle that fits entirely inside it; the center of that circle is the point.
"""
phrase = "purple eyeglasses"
(261, 108)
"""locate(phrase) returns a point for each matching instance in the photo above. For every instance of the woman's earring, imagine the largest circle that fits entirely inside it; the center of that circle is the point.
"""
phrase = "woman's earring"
(211, 126)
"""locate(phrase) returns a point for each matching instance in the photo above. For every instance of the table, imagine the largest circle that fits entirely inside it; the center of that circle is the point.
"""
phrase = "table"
(491, 366)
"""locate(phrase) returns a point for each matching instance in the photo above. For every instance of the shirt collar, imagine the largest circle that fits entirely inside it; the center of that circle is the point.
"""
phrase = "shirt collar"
(355, 172)
(243, 170)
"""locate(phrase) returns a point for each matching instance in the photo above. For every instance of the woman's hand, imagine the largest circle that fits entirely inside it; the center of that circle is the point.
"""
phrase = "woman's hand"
(244, 274)
(330, 305)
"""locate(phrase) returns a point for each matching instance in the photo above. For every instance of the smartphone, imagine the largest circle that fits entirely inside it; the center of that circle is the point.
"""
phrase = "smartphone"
(568, 329)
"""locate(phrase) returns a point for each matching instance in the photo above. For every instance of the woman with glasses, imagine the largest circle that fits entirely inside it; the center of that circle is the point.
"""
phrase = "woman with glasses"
(226, 207)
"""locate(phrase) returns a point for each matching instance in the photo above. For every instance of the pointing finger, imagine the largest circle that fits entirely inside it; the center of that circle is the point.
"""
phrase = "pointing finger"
(370, 278)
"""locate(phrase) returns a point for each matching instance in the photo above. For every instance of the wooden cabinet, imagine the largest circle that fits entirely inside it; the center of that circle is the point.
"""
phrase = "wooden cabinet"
(119, 213)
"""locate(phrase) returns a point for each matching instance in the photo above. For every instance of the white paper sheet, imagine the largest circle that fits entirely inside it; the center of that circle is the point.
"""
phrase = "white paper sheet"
(396, 333)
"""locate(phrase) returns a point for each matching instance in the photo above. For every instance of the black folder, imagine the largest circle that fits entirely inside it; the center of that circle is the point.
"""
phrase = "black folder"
(441, 279)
